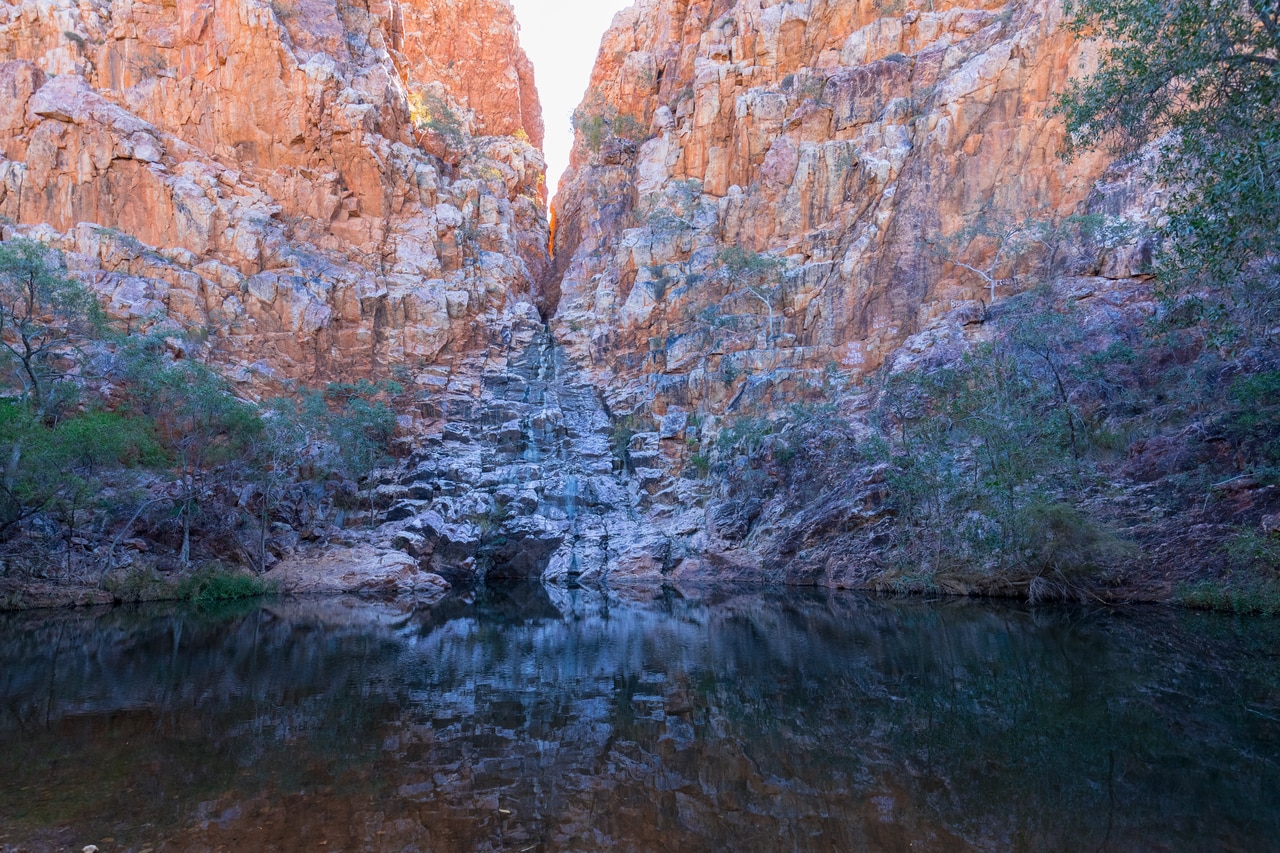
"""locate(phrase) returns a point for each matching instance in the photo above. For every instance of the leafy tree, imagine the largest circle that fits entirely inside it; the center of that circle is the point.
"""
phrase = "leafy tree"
(1199, 78)
(1009, 241)
(757, 273)
(82, 454)
(201, 424)
(596, 122)
(429, 112)
(360, 427)
(988, 456)
(291, 429)
(44, 316)
(61, 470)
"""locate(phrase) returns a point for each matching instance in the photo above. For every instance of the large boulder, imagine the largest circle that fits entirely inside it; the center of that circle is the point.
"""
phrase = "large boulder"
(362, 570)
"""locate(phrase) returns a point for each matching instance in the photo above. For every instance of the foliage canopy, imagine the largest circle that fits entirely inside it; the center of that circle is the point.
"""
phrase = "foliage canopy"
(1198, 78)
(44, 316)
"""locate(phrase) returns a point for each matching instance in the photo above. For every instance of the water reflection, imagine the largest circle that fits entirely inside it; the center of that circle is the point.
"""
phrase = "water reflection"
(523, 721)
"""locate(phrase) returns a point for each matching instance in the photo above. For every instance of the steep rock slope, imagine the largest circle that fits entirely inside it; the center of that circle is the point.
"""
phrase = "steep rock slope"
(334, 190)
(471, 46)
(307, 180)
(770, 200)
(848, 155)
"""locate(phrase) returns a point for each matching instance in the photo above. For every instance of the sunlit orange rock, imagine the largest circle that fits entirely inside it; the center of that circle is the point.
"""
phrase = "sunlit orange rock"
(858, 143)
(325, 187)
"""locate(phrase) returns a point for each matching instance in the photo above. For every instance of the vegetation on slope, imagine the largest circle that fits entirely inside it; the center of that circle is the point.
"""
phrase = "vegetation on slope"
(122, 453)
(1197, 81)
(1076, 451)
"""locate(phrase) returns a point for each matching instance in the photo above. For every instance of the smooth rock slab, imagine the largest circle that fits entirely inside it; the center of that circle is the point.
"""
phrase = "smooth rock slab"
(18, 594)
(363, 570)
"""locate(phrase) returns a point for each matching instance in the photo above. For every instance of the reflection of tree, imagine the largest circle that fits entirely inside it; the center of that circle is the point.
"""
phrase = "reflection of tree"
(680, 724)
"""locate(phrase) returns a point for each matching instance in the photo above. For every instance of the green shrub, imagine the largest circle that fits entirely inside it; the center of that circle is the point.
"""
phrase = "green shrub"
(597, 121)
(1059, 538)
(214, 583)
(1252, 551)
(746, 437)
(1247, 598)
(60, 469)
(744, 264)
(1252, 421)
(624, 429)
(430, 112)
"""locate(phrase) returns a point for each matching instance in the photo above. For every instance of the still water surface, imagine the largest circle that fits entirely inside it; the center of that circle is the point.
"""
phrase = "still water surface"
(528, 720)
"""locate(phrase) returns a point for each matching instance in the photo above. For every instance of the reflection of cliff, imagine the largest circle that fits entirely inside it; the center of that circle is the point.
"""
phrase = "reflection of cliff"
(577, 723)
(302, 179)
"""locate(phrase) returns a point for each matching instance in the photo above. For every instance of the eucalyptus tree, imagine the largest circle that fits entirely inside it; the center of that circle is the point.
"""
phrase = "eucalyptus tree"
(209, 434)
(1197, 81)
(45, 317)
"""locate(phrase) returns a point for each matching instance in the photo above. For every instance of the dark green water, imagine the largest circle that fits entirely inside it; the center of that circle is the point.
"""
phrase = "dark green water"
(730, 722)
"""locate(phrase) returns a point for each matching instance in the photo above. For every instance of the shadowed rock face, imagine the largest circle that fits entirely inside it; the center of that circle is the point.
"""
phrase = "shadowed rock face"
(855, 140)
(302, 176)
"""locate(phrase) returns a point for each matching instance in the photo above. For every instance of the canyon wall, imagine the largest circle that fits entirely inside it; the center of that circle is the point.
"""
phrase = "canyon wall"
(769, 200)
(322, 186)
(767, 196)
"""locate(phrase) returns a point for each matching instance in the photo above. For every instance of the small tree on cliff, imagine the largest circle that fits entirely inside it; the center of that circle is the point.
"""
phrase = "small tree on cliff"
(1200, 79)
(757, 274)
(45, 316)
(1008, 242)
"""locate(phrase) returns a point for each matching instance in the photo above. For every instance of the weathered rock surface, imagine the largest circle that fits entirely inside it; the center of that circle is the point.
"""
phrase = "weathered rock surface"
(301, 178)
(769, 200)
(471, 46)
(519, 475)
(861, 145)
(362, 570)
(340, 189)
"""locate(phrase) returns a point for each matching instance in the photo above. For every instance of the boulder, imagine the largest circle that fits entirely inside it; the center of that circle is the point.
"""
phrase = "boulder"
(362, 570)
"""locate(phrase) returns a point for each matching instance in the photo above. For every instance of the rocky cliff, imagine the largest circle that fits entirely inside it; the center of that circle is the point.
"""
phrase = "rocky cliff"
(321, 186)
(769, 201)
(768, 194)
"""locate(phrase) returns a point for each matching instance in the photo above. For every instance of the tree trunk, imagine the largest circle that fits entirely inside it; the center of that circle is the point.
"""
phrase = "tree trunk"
(71, 535)
(186, 532)
(11, 472)
(262, 533)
